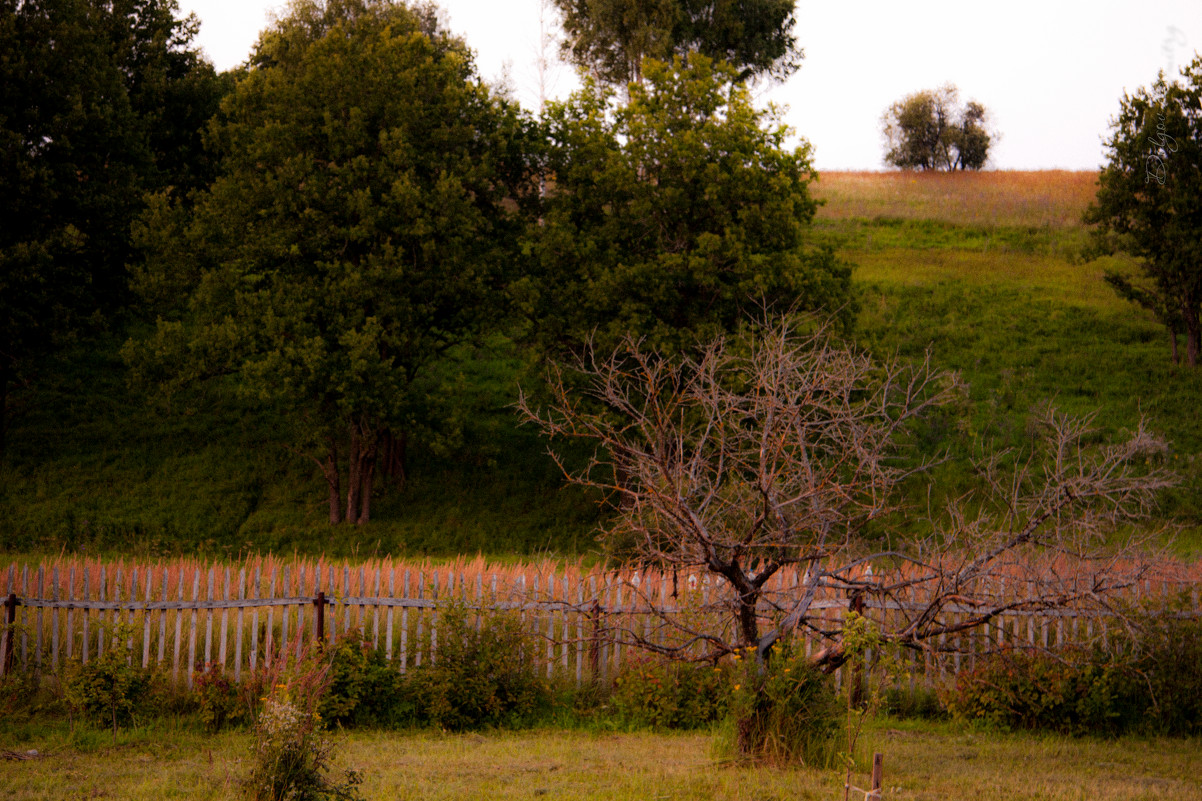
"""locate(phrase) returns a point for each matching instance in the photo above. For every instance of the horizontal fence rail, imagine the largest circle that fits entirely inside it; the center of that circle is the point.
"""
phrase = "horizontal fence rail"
(186, 615)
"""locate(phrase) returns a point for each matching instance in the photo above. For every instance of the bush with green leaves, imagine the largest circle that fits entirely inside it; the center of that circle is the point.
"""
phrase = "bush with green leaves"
(1148, 681)
(660, 694)
(1168, 663)
(109, 689)
(365, 688)
(480, 675)
(782, 710)
(1070, 692)
(217, 696)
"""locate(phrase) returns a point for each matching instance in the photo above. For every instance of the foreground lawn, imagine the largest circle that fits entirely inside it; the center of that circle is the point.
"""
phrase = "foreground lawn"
(929, 762)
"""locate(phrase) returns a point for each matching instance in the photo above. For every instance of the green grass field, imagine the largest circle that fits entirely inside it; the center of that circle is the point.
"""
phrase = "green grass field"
(923, 762)
(983, 269)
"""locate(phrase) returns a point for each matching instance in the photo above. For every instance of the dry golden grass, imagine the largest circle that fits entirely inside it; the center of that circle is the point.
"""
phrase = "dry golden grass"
(1044, 199)
(929, 764)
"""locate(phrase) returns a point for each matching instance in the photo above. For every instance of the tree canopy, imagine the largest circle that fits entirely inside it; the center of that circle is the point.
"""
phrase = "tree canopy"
(610, 39)
(99, 103)
(361, 226)
(670, 214)
(930, 130)
(1149, 202)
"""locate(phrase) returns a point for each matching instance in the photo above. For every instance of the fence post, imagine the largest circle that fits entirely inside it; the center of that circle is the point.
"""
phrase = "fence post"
(878, 776)
(320, 603)
(594, 646)
(10, 618)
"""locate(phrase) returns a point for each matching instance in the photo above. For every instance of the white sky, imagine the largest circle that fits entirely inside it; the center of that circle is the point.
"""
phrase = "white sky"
(1050, 71)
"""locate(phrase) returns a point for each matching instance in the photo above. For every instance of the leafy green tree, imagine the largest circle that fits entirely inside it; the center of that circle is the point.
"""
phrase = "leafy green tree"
(99, 103)
(360, 228)
(929, 130)
(669, 215)
(1149, 202)
(610, 39)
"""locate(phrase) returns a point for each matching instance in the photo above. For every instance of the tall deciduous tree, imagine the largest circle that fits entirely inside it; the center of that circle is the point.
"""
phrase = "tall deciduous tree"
(670, 213)
(100, 102)
(778, 448)
(1149, 202)
(930, 130)
(610, 39)
(359, 229)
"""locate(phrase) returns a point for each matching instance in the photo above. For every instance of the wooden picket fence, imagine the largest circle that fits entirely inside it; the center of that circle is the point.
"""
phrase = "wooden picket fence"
(183, 615)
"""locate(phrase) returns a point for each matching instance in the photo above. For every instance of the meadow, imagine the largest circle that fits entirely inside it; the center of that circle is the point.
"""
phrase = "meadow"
(923, 762)
(984, 269)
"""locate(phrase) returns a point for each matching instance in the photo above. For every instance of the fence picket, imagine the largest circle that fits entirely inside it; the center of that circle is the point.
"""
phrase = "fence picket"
(287, 590)
(130, 614)
(255, 590)
(162, 616)
(418, 613)
(100, 616)
(434, 621)
(375, 615)
(405, 626)
(225, 622)
(192, 628)
(238, 635)
(388, 614)
(146, 618)
(567, 600)
(270, 634)
(300, 614)
(70, 635)
(179, 620)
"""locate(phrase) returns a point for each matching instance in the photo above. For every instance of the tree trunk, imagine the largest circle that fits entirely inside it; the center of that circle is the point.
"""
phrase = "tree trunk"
(1193, 335)
(3, 408)
(352, 485)
(367, 473)
(394, 457)
(333, 481)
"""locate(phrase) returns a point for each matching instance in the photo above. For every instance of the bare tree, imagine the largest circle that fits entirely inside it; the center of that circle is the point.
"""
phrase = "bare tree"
(776, 449)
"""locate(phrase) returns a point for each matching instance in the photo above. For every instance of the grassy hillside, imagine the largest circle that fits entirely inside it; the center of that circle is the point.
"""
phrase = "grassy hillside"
(982, 268)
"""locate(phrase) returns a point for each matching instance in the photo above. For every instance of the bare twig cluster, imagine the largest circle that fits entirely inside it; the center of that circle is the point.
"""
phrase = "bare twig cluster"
(776, 449)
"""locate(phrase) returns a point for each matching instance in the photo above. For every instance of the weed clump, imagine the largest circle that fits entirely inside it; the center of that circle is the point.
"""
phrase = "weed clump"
(292, 759)
(782, 710)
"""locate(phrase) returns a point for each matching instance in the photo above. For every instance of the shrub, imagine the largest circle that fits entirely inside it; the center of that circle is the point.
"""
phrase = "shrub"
(670, 695)
(1073, 692)
(1169, 663)
(109, 689)
(365, 688)
(217, 697)
(1148, 682)
(782, 711)
(480, 677)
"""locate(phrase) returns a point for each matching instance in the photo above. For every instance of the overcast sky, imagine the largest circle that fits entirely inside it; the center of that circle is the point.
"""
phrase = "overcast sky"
(1050, 71)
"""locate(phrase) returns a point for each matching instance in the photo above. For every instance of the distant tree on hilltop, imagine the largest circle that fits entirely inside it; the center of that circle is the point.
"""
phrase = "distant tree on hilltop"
(611, 38)
(930, 130)
(1148, 203)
